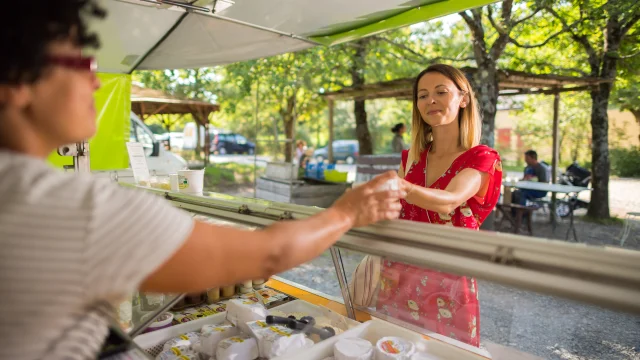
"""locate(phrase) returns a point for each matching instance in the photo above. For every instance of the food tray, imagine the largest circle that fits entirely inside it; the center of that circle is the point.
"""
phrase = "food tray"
(153, 342)
(373, 331)
(301, 306)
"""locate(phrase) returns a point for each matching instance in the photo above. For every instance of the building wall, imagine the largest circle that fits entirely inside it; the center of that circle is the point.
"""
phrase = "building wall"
(624, 131)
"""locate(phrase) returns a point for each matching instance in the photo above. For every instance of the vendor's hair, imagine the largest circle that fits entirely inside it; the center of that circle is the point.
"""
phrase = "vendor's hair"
(469, 119)
(27, 29)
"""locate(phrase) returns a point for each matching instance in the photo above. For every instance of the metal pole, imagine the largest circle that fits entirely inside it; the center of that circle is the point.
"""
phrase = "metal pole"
(556, 152)
(342, 280)
(255, 151)
(330, 146)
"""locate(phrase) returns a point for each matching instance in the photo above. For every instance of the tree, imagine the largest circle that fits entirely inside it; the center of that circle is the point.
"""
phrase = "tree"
(599, 29)
(627, 87)
(288, 84)
(183, 84)
(536, 118)
(582, 37)
(357, 70)
(490, 38)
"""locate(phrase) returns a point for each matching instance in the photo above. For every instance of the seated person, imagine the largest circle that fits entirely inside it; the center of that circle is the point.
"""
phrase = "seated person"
(534, 170)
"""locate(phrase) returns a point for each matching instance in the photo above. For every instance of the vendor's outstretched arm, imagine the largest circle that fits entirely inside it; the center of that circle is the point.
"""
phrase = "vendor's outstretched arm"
(215, 256)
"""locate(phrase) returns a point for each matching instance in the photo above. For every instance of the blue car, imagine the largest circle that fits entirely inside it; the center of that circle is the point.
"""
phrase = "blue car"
(343, 150)
(230, 143)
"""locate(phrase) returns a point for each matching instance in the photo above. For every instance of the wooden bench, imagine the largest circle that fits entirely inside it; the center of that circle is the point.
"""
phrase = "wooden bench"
(516, 222)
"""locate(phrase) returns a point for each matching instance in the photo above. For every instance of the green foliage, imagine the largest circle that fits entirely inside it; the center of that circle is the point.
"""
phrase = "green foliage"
(229, 174)
(536, 124)
(625, 162)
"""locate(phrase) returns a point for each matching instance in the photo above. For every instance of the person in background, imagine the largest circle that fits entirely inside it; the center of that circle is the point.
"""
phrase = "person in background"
(534, 171)
(397, 144)
(73, 245)
(301, 146)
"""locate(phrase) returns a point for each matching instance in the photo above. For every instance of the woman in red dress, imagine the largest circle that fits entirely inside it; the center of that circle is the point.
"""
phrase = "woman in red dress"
(450, 180)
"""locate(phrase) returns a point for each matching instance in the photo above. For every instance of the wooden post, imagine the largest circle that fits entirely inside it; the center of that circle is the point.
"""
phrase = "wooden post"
(556, 152)
(330, 146)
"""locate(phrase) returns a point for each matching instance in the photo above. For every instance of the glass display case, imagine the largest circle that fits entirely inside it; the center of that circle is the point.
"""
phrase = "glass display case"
(461, 294)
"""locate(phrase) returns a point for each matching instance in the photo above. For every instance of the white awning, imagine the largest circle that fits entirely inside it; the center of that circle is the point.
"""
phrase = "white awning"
(144, 34)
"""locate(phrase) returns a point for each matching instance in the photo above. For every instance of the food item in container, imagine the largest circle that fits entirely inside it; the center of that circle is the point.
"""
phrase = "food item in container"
(213, 295)
(161, 322)
(174, 352)
(237, 348)
(394, 348)
(211, 335)
(228, 291)
(259, 284)
(242, 311)
(183, 340)
(246, 287)
(271, 297)
(276, 340)
(353, 349)
(194, 313)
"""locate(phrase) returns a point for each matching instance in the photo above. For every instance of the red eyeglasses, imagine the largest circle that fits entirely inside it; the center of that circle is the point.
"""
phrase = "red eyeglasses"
(87, 63)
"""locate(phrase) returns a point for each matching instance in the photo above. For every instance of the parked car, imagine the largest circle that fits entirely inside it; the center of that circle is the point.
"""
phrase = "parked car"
(343, 150)
(231, 143)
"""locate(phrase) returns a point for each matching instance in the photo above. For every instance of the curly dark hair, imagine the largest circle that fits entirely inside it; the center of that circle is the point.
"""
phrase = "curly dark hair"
(27, 28)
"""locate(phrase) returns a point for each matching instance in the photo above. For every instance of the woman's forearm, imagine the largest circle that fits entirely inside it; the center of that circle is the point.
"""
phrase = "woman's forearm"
(461, 188)
(441, 201)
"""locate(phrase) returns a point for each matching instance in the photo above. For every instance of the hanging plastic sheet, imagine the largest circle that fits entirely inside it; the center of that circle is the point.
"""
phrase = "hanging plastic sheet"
(107, 148)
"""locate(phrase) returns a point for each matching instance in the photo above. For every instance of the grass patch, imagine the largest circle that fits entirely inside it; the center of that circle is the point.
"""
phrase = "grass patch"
(610, 221)
(230, 174)
(513, 168)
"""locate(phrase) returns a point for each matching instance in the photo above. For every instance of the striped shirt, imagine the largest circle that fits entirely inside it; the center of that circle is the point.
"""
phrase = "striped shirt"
(70, 246)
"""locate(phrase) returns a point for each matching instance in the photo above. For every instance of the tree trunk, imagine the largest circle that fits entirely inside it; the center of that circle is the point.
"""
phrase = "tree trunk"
(288, 118)
(198, 143)
(167, 126)
(601, 164)
(359, 111)
(599, 205)
(485, 84)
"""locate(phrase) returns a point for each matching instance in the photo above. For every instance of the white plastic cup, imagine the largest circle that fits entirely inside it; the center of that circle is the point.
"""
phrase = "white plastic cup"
(174, 182)
(191, 181)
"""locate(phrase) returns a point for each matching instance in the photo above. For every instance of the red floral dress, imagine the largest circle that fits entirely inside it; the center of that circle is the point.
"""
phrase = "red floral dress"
(436, 301)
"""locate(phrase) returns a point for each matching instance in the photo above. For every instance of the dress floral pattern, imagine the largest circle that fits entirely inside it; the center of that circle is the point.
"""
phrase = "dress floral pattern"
(441, 302)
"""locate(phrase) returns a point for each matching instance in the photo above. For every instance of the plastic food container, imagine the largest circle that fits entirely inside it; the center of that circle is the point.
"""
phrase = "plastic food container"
(163, 321)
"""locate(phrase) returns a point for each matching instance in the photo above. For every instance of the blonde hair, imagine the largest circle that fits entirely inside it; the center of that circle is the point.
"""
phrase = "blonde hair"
(469, 119)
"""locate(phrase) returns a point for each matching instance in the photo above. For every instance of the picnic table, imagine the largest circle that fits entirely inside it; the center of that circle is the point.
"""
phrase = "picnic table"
(556, 189)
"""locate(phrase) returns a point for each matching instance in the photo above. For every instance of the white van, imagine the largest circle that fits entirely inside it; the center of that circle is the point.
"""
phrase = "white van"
(160, 160)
